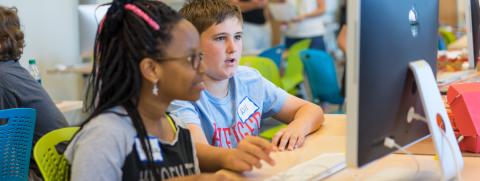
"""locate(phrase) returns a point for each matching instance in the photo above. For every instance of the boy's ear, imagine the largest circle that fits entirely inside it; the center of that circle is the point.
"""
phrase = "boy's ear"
(151, 70)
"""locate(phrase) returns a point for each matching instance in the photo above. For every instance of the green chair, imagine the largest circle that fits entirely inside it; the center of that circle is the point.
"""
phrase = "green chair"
(265, 66)
(270, 133)
(53, 165)
(448, 36)
(294, 66)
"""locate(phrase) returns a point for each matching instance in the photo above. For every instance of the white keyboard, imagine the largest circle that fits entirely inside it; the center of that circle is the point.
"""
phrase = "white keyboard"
(317, 168)
(450, 77)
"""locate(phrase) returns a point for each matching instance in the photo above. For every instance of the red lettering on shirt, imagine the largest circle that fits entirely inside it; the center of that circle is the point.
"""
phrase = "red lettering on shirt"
(240, 130)
(239, 123)
(216, 136)
(256, 117)
(235, 133)
(252, 130)
(226, 133)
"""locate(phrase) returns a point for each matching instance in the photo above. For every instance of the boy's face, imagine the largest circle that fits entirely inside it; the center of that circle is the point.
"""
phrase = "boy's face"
(221, 45)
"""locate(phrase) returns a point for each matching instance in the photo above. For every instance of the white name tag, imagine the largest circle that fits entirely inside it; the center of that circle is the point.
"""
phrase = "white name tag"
(156, 151)
(246, 109)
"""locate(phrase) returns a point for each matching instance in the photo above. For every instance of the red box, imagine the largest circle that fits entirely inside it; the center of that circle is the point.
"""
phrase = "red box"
(470, 144)
(464, 101)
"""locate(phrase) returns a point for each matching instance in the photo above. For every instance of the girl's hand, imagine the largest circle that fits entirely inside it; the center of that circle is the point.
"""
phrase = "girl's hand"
(248, 154)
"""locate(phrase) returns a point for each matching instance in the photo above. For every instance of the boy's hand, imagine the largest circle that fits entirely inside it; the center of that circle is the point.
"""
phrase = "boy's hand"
(289, 138)
(248, 154)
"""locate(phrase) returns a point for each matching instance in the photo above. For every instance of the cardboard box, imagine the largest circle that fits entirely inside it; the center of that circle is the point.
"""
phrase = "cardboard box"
(464, 101)
(470, 144)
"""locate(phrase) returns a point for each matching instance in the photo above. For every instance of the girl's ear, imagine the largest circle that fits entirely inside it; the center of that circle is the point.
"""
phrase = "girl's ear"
(151, 70)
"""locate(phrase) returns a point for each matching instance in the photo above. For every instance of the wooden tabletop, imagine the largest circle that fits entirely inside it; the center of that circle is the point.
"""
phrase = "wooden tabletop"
(84, 69)
(67, 106)
(331, 138)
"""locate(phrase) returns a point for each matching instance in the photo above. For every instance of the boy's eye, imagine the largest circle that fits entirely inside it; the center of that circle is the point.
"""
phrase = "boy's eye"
(238, 37)
(220, 38)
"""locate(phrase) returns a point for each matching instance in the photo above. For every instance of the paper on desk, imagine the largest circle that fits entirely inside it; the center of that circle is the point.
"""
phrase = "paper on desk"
(282, 11)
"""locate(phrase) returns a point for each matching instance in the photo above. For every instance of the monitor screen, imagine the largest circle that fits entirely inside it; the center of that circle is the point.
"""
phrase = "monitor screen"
(383, 38)
(89, 17)
(472, 20)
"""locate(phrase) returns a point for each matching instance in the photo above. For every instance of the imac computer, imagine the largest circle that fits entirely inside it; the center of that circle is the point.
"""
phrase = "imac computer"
(388, 89)
(89, 17)
(472, 20)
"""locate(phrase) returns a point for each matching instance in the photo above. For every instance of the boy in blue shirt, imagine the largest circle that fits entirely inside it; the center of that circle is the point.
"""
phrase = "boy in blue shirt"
(236, 99)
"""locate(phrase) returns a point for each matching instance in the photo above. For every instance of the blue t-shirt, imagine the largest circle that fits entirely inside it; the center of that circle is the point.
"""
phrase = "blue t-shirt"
(226, 121)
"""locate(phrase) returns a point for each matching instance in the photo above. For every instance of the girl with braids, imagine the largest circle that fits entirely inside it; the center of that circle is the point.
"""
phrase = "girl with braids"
(146, 55)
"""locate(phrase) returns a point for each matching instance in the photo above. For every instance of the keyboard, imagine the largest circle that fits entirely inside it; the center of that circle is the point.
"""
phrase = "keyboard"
(318, 168)
(473, 79)
(450, 77)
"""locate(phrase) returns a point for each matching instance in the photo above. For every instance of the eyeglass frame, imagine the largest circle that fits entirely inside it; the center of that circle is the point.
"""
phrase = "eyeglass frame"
(195, 59)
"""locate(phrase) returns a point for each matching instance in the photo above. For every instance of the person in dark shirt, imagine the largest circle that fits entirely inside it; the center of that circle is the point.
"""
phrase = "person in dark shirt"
(18, 89)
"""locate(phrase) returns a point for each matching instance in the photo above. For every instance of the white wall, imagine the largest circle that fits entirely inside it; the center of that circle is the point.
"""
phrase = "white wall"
(51, 36)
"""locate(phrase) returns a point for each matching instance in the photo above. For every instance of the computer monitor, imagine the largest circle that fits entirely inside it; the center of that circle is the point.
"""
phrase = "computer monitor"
(472, 20)
(392, 48)
(383, 38)
(89, 17)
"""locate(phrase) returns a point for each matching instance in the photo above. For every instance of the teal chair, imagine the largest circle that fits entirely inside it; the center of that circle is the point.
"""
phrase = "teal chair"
(16, 134)
(321, 76)
(294, 67)
(275, 54)
(265, 66)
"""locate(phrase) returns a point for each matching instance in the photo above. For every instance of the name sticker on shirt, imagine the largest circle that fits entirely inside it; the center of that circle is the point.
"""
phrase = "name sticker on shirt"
(246, 109)
(156, 151)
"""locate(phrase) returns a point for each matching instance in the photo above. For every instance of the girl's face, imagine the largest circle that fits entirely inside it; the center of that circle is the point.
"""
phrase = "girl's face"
(182, 68)
(221, 46)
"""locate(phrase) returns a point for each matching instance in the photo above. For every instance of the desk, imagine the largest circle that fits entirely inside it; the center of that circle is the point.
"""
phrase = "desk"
(67, 106)
(331, 138)
(84, 69)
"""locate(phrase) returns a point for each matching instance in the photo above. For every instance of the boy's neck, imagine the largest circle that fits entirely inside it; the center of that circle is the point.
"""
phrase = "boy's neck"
(217, 88)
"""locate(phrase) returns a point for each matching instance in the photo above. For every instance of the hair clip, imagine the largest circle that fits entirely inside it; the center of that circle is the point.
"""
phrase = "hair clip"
(143, 15)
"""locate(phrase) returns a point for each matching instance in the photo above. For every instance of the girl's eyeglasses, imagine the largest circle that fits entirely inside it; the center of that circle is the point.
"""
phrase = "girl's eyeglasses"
(195, 59)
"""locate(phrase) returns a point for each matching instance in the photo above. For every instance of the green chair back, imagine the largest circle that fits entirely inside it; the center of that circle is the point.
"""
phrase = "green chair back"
(294, 66)
(448, 36)
(265, 66)
(270, 133)
(53, 165)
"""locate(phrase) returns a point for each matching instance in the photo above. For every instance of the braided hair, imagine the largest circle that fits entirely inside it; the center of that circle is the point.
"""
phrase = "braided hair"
(124, 38)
